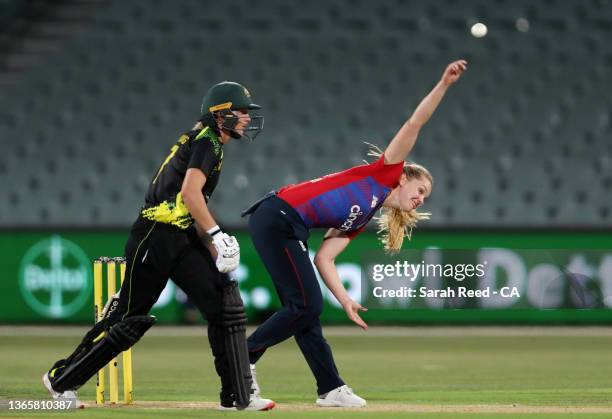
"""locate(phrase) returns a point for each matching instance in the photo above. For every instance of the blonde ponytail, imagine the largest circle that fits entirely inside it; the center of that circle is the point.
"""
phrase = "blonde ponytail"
(395, 224)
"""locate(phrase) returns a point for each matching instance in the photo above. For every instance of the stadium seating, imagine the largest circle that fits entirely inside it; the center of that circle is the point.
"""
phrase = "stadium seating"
(522, 140)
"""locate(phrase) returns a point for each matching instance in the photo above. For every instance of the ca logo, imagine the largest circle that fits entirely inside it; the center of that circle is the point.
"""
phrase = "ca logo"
(54, 277)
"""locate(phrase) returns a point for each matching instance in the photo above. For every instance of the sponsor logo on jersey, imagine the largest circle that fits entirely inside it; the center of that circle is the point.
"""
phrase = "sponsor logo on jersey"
(355, 212)
(374, 201)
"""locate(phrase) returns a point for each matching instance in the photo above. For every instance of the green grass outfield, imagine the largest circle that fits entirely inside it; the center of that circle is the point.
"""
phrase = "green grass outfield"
(402, 372)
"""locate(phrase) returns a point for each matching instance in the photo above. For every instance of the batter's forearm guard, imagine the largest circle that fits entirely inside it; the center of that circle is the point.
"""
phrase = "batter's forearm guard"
(234, 323)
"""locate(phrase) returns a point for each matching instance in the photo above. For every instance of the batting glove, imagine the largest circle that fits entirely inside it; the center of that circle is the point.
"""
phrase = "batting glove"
(228, 251)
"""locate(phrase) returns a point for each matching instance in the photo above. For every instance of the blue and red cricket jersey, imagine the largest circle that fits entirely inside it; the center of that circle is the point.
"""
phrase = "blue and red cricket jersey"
(344, 200)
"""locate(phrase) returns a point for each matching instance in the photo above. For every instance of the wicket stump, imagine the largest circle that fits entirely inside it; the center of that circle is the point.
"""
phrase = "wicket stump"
(111, 289)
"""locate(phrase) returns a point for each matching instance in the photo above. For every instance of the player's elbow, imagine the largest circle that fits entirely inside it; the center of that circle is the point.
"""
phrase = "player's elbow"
(321, 260)
(186, 193)
(191, 189)
(414, 125)
(189, 195)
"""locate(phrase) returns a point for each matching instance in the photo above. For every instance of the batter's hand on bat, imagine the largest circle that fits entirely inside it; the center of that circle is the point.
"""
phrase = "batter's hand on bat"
(228, 252)
(352, 310)
(453, 72)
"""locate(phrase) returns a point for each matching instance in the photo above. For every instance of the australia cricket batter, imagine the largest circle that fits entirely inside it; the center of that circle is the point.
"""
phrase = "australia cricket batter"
(166, 241)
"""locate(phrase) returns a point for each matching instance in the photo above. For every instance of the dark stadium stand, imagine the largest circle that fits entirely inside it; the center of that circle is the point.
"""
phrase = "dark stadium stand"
(523, 140)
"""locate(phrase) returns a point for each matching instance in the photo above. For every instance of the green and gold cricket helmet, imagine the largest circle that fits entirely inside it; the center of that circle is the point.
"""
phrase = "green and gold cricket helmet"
(227, 95)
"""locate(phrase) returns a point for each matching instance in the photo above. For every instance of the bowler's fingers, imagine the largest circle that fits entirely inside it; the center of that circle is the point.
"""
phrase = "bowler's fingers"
(359, 321)
(458, 67)
(355, 317)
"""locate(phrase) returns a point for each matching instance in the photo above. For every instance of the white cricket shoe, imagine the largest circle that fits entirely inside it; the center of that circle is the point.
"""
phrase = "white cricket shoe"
(342, 396)
(66, 395)
(255, 404)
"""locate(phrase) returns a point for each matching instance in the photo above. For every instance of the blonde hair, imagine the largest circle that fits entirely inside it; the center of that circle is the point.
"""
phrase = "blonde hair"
(395, 224)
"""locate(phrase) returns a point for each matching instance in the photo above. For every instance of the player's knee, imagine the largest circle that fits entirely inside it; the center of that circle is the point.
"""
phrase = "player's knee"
(315, 310)
(124, 334)
(314, 305)
(101, 350)
(308, 312)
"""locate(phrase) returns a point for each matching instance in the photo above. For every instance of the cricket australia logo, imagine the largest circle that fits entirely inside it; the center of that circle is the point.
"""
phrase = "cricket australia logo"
(355, 212)
(53, 278)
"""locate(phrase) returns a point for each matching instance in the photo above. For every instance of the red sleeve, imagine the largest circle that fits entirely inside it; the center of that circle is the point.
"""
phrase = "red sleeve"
(387, 174)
